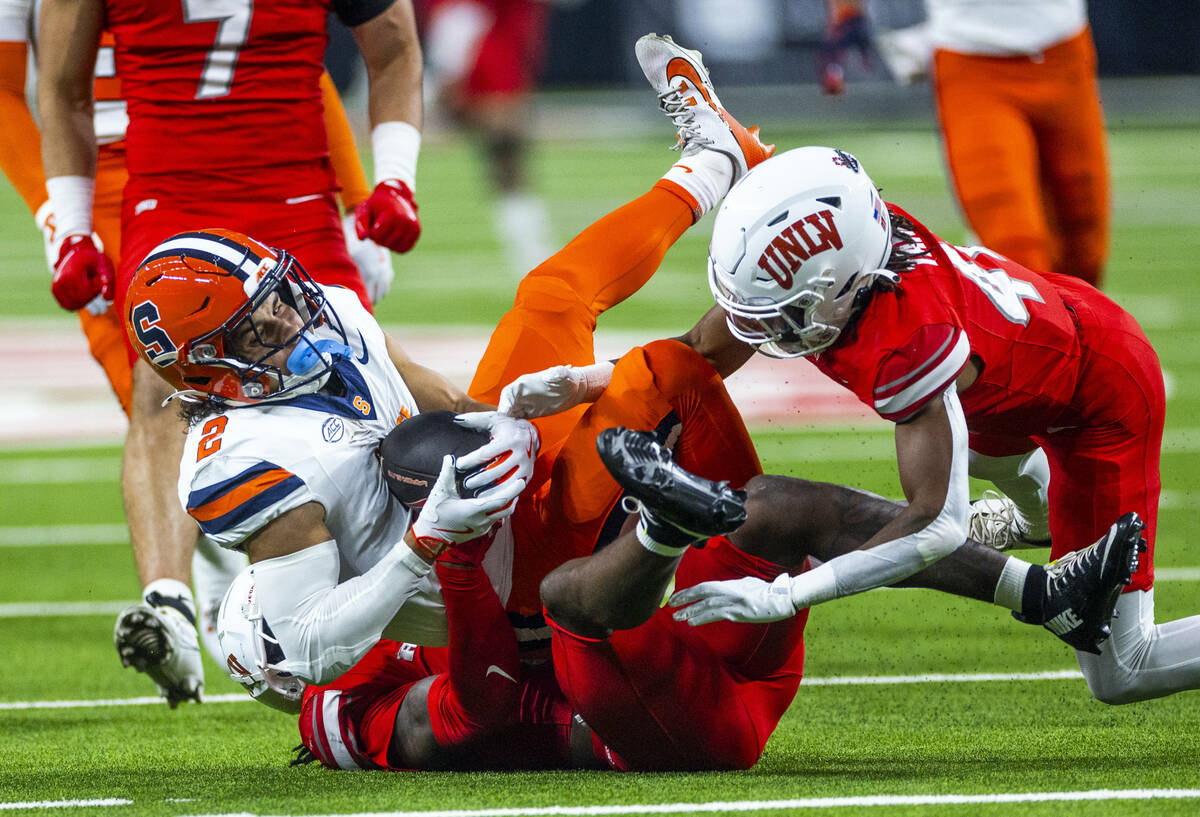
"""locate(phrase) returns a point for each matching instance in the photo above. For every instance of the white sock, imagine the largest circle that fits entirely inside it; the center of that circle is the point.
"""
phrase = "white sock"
(654, 546)
(706, 175)
(1011, 587)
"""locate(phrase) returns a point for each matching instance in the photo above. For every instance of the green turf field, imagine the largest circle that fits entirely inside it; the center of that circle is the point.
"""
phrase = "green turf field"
(864, 725)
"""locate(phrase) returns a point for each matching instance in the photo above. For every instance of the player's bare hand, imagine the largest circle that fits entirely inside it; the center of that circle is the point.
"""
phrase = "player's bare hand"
(389, 216)
(748, 600)
(509, 456)
(554, 390)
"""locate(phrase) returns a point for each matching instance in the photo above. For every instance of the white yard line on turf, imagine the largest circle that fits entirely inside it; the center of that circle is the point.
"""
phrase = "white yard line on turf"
(42, 535)
(868, 680)
(807, 802)
(32, 804)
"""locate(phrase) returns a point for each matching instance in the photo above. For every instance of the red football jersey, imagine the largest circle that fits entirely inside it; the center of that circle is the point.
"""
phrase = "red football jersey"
(223, 95)
(954, 304)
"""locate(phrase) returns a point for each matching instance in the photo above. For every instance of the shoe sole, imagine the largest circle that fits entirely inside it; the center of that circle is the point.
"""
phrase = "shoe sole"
(648, 474)
(142, 641)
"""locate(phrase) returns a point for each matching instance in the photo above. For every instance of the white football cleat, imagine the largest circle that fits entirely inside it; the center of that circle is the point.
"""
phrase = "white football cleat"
(687, 96)
(996, 523)
(161, 642)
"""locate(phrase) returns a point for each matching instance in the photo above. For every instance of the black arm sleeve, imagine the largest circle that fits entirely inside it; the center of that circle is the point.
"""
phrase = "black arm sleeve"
(357, 12)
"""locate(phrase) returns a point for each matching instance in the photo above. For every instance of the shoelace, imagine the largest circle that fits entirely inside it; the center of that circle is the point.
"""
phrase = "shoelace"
(992, 527)
(1064, 569)
(683, 117)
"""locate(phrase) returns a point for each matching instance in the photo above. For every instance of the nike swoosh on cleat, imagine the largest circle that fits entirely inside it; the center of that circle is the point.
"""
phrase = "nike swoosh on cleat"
(679, 67)
(493, 668)
(684, 168)
(364, 357)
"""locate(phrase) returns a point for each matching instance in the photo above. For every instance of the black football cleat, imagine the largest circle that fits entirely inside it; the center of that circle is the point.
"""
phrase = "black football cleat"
(1082, 587)
(678, 505)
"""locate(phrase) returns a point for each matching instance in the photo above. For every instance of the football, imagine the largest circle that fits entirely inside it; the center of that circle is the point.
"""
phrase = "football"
(411, 454)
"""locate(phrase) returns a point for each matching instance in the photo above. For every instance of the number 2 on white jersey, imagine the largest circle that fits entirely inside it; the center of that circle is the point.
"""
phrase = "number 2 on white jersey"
(1007, 294)
(233, 29)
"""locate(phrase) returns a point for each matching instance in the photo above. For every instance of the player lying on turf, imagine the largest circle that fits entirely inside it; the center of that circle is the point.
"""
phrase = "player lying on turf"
(1036, 381)
(290, 385)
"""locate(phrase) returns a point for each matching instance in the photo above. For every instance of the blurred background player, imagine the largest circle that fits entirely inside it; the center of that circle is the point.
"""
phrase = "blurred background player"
(483, 58)
(1018, 104)
(205, 144)
(848, 28)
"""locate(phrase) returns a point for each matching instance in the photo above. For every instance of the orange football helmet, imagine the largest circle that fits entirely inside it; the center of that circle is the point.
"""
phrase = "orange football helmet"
(194, 290)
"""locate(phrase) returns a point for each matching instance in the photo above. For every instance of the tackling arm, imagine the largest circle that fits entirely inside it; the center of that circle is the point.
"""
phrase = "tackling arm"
(932, 456)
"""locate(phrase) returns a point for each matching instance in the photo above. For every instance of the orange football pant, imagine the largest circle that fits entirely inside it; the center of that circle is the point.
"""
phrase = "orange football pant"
(106, 333)
(1025, 144)
(551, 323)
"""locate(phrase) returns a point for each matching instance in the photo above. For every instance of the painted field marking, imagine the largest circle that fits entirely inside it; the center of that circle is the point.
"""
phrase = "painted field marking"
(866, 680)
(53, 535)
(806, 802)
(32, 804)
(230, 698)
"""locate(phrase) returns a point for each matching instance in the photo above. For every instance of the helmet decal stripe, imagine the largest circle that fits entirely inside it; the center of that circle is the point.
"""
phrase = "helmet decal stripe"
(234, 258)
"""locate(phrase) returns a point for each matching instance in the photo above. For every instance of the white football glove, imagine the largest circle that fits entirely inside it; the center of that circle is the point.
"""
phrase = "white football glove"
(373, 261)
(555, 389)
(448, 519)
(510, 454)
(748, 600)
(52, 242)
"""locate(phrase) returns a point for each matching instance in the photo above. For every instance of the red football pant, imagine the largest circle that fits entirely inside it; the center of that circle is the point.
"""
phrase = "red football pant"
(1104, 457)
(667, 696)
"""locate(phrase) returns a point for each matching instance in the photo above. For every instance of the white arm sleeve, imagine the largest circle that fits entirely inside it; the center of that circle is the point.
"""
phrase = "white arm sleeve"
(323, 627)
(890, 562)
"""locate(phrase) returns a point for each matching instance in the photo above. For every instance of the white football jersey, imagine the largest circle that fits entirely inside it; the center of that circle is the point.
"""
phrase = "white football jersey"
(1004, 27)
(245, 467)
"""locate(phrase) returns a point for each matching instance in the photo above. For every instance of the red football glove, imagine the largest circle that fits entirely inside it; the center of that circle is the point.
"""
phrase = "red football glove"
(389, 217)
(81, 273)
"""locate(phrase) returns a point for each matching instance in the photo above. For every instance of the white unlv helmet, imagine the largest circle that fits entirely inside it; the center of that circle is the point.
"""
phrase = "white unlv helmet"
(251, 651)
(795, 242)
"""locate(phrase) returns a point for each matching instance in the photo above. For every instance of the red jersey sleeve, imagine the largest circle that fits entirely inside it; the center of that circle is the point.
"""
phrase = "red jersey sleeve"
(905, 349)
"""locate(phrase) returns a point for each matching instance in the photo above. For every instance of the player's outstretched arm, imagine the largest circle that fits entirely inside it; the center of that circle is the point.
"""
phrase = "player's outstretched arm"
(932, 456)
(20, 154)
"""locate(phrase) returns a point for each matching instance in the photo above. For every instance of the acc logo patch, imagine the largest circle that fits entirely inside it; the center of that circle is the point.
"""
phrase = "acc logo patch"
(333, 429)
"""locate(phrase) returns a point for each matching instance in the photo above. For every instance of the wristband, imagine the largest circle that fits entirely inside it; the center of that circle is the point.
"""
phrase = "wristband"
(71, 199)
(395, 146)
